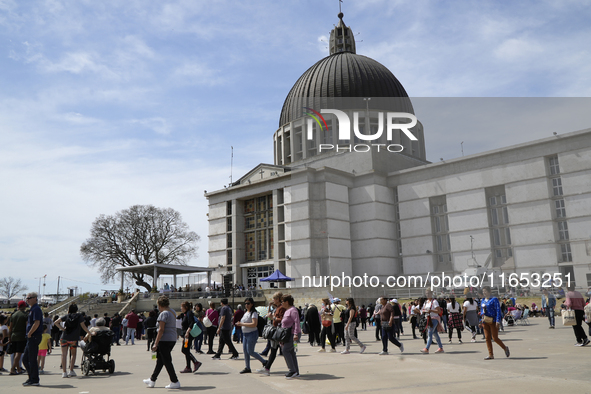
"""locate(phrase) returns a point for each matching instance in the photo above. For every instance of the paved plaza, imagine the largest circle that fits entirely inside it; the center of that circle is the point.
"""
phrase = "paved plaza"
(542, 360)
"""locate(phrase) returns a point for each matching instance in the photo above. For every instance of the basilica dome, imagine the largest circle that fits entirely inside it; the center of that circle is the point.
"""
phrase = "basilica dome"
(344, 74)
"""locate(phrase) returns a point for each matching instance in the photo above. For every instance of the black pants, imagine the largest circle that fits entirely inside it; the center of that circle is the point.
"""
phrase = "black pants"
(378, 329)
(164, 359)
(327, 331)
(226, 339)
(451, 331)
(364, 323)
(413, 323)
(578, 328)
(30, 358)
(151, 333)
(210, 335)
(340, 332)
(314, 336)
(187, 352)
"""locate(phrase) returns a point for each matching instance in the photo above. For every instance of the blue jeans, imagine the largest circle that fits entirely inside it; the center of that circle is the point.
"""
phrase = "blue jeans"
(117, 334)
(550, 313)
(388, 334)
(433, 332)
(130, 334)
(248, 344)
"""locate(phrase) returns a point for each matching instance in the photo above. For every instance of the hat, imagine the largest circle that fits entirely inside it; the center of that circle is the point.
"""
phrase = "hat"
(337, 300)
(21, 303)
(394, 300)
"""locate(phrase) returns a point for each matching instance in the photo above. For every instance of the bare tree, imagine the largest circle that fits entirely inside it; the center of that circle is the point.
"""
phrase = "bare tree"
(142, 234)
(9, 287)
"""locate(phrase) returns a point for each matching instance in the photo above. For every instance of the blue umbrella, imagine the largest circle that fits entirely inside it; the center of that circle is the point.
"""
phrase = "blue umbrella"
(276, 276)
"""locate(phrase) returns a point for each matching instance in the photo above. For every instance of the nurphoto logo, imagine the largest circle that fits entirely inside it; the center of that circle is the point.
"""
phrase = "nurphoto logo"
(344, 129)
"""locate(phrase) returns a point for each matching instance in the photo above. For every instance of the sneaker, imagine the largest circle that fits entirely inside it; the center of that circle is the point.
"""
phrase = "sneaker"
(27, 383)
(264, 371)
(401, 348)
(382, 353)
(211, 352)
(71, 374)
(363, 349)
(292, 375)
(149, 382)
(551, 326)
(41, 372)
(345, 352)
(425, 351)
(234, 358)
(586, 342)
(473, 340)
(198, 365)
(579, 344)
(215, 358)
(64, 375)
(507, 352)
(460, 341)
(322, 350)
(333, 350)
(186, 370)
(440, 350)
(245, 370)
(176, 385)
(489, 358)
(449, 341)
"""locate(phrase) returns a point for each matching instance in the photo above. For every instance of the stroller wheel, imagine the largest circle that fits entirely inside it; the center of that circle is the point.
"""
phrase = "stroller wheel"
(111, 366)
(86, 367)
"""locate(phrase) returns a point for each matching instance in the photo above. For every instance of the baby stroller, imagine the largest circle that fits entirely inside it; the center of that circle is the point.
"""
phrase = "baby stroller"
(93, 357)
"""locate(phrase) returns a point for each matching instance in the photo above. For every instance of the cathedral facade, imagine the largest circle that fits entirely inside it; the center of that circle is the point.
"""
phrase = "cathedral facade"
(365, 201)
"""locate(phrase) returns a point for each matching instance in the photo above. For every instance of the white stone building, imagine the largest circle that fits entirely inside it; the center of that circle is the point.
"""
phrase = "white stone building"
(525, 208)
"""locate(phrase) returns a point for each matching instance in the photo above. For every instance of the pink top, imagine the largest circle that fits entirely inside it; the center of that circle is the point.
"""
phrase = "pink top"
(291, 318)
(575, 301)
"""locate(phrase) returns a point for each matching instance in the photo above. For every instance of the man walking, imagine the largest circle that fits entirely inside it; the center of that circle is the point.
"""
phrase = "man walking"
(548, 304)
(116, 328)
(34, 333)
(225, 331)
(337, 309)
(132, 320)
(18, 336)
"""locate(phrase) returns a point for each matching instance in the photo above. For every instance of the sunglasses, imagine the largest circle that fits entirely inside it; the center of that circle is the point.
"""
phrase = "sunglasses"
(28, 298)
(247, 303)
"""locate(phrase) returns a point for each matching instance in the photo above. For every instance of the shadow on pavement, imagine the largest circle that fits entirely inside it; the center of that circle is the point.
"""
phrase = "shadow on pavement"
(527, 358)
(319, 376)
(212, 373)
(462, 352)
(57, 386)
(195, 388)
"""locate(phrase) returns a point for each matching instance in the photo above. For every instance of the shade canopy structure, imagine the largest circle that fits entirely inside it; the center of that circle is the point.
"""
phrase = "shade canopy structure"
(276, 276)
(156, 269)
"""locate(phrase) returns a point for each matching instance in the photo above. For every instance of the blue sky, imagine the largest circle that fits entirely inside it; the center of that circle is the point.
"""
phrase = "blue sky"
(108, 104)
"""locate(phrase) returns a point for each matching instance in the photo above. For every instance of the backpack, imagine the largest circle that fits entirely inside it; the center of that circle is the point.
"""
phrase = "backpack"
(72, 321)
(261, 324)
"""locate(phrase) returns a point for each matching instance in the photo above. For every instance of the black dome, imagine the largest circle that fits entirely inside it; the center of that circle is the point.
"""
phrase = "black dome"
(343, 74)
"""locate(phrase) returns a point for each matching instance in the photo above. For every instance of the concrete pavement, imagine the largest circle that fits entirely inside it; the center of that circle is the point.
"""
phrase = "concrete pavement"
(542, 360)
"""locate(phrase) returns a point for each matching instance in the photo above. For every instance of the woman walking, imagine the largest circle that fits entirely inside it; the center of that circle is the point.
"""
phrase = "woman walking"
(491, 318)
(455, 318)
(431, 311)
(73, 323)
(350, 321)
(328, 329)
(213, 317)
(275, 318)
(314, 324)
(151, 324)
(576, 302)
(186, 326)
(414, 314)
(471, 315)
(199, 313)
(250, 333)
(165, 341)
(387, 314)
(291, 321)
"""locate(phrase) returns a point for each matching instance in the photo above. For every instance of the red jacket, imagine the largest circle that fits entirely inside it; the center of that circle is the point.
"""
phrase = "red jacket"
(132, 320)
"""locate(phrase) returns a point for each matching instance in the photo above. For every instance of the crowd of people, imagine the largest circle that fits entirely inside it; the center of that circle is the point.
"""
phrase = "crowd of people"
(28, 336)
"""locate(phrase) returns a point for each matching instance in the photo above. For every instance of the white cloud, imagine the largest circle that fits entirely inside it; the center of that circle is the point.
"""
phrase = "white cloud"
(157, 124)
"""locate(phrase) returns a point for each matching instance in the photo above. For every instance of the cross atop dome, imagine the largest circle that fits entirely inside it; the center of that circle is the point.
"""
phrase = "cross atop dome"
(341, 37)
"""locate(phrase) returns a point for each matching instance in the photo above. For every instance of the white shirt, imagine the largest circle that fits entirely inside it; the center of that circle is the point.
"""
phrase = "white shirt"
(414, 310)
(453, 310)
(470, 307)
(433, 304)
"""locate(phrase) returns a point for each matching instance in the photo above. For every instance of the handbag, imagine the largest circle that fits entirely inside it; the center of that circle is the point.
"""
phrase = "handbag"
(568, 318)
(306, 328)
(385, 324)
(282, 334)
(195, 331)
(207, 322)
(488, 319)
(268, 332)
(326, 323)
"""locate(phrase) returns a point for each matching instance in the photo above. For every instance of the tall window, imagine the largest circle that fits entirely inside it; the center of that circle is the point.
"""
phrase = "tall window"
(258, 228)
(257, 273)
(229, 233)
(561, 225)
(440, 229)
(498, 217)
